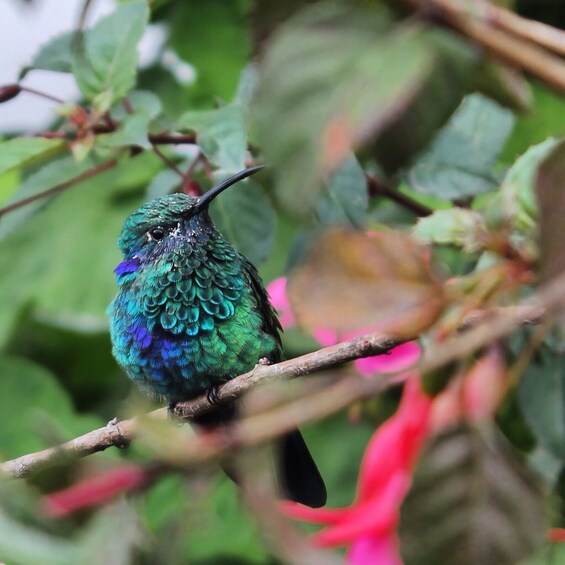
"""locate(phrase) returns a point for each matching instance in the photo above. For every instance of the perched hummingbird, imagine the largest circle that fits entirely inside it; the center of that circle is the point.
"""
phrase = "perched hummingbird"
(192, 313)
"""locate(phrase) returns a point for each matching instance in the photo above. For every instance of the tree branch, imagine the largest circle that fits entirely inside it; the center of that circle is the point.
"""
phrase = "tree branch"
(307, 406)
(93, 171)
(122, 432)
(500, 36)
(378, 188)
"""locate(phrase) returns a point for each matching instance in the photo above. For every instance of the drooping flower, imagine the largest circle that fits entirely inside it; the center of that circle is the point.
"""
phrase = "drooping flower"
(96, 491)
(368, 526)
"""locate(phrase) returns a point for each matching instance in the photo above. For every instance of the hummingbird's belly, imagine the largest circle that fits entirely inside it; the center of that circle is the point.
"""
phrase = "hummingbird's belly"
(180, 366)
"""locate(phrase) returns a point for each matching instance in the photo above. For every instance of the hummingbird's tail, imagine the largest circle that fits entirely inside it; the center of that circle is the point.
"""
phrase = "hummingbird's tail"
(297, 473)
(301, 480)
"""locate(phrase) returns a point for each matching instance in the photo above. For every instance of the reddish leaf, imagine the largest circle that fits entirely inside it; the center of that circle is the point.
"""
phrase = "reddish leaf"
(355, 281)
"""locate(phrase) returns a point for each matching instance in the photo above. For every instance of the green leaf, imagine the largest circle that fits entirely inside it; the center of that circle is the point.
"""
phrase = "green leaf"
(472, 501)
(57, 54)
(21, 151)
(50, 175)
(163, 183)
(20, 543)
(105, 64)
(542, 400)
(72, 287)
(246, 218)
(546, 120)
(221, 134)
(111, 536)
(549, 183)
(133, 130)
(213, 37)
(32, 401)
(428, 107)
(142, 101)
(334, 77)
(456, 226)
(515, 203)
(461, 160)
(346, 200)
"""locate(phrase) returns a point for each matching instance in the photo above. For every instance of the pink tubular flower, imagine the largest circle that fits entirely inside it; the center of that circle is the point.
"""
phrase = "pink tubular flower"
(368, 526)
(96, 491)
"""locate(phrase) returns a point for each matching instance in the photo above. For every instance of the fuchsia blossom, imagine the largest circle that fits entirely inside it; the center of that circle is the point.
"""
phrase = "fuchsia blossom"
(368, 526)
(279, 299)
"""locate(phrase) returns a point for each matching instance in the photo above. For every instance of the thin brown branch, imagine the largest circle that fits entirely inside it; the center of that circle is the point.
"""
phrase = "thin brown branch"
(93, 171)
(468, 19)
(544, 35)
(122, 432)
(172, 138)
(377, 188)
(171, 164)
(155, 138)
(42, 94)
(308, 406)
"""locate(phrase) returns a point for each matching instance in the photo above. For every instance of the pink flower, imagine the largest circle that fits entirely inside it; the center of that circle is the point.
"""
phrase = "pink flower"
(368, 526)
(276, 290)
(475, 394)
(398, 359)
(96, 490)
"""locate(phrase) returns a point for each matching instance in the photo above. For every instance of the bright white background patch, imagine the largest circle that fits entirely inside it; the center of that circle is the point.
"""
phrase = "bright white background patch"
(24, 28)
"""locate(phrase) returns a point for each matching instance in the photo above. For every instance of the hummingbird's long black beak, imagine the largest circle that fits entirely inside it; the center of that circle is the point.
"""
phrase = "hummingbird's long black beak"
(206, 198)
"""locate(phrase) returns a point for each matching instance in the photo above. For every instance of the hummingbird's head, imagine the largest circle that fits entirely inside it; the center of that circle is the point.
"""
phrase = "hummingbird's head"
(166, 222)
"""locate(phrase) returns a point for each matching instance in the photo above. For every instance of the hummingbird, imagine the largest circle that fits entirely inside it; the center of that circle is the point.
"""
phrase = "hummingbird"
(192, 313)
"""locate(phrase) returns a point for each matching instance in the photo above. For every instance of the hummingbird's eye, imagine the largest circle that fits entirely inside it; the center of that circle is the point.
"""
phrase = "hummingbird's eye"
(156, 234)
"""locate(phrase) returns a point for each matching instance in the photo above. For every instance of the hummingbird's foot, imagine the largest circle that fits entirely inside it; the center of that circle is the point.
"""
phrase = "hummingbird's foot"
(172, 415)
(171, 409)
(264, 361)
(120, 442)
(213, 395)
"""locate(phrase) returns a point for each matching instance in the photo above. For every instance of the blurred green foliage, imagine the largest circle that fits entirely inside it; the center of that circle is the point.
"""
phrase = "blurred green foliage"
(325, 78)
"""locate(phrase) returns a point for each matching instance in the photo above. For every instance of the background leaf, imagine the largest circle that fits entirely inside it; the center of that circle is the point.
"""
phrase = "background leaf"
(332, 78)
(472, 502)
(105, 64)
(353, 281)
(542, 401)
(32, 401)
(50, 175)
(461, 159)
(244, 215)
(346, 199)
(21, 151)
(456, 226)
(57, 54)
(221, 134)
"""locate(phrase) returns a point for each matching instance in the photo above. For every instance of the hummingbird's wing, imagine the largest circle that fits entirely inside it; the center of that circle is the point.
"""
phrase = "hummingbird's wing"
(300, 478)
(271, 324)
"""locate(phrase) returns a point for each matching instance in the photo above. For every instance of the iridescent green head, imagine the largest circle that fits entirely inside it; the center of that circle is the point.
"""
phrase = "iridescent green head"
(171, 217)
